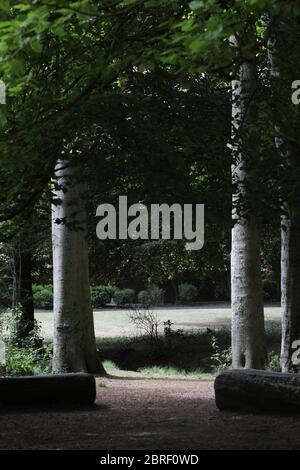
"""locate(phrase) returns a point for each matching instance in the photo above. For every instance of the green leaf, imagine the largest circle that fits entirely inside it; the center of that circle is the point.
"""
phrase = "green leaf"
(5, 5)
(3, 118)
(58, 31)
(36, 46)
(17, 67)
(197, 4)
(197, 45)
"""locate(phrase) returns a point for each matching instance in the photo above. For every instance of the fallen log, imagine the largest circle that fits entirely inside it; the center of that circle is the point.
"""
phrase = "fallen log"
(51, 390)
(257, 390)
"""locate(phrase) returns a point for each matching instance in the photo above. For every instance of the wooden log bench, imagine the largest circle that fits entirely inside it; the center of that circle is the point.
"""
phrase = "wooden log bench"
(48, 390)
(257, 390)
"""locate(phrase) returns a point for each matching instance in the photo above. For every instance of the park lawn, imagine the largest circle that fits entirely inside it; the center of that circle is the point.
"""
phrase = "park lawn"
(115, 323)
(155, 372)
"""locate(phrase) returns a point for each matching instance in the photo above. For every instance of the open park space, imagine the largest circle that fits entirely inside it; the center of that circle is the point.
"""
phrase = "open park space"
(149, 226)
(113, 322)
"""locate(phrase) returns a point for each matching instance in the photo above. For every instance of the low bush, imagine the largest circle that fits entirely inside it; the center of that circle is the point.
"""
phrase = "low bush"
(273, 363)
(146, 321)
(29, 357)
(124, 297)
(151, 296)
(187, 292)
(43, 296)
(101, 295)
(111, 290)
(221, 357)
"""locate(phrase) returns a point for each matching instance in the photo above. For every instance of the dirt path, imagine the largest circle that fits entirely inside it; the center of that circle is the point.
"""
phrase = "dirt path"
(149, 414)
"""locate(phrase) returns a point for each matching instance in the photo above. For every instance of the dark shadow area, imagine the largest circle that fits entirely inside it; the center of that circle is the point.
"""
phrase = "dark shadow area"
(149, 414)
(51, 408)
(187, 351)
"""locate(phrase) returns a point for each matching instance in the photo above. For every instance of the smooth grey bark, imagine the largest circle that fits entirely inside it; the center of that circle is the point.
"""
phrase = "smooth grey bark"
(248, 334)
(74, 345)
(290, 221)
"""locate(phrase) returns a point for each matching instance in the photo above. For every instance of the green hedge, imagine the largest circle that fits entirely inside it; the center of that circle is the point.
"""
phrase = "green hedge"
(187, 292)
(124, 297)
(151, 296)
(43, 296)
(101, 295)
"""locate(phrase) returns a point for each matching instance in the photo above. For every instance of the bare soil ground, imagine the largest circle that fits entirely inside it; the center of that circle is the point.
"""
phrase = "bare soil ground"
(133, 413)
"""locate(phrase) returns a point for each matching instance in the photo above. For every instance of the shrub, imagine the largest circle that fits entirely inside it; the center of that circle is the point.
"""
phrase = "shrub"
(273, 362)
(5, 296)
(27, 360)
(270, 289)
(101, 295)
(151, 296)
(143, 298)
(30, 356)
(170, 333)
(124, 296)
(187, 292)
(43, 296)
(146, 321)
(222, 358)
(111, 290)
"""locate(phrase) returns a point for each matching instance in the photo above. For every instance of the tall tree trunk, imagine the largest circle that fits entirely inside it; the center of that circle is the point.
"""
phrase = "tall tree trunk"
(248, 334)
(74, 345)
(175, 290)
(290, 287)
(22, 286)
(290, 221)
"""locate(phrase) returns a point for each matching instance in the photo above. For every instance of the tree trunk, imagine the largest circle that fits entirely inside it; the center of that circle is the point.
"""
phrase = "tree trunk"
(175, 290)
(74, 345)
(290, 287)
(290, 221)
(248, 334)
(22, 285)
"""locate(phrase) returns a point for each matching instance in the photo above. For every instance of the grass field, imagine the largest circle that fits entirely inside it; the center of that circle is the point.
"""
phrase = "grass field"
(155, 372)
(116, 322)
